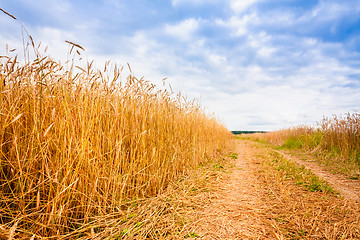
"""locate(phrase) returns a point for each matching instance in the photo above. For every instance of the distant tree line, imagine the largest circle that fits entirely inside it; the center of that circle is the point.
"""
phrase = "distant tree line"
(247, 132)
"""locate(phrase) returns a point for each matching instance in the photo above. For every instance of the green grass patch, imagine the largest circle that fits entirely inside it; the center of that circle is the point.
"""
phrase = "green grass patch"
(300, 175)
(293, 143)
(234, 155)
(355, 178)
(307, 141)
(192, 235)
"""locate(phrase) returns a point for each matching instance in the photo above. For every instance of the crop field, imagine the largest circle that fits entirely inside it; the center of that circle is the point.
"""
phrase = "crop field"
(335, 140)
(77, 143)
(86, 154)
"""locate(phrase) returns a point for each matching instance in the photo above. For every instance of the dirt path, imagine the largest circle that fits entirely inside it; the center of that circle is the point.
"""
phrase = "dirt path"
(348, 188)
(245, 206)
(236, 209)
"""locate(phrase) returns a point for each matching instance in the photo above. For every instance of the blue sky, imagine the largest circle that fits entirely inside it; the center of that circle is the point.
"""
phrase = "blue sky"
(256, 64)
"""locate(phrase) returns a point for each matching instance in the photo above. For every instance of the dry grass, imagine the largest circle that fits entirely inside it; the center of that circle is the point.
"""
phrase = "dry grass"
(279, 137)
(79, 146)
(341, 135)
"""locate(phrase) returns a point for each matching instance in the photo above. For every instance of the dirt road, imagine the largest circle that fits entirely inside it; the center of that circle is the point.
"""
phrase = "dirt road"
(256, 200)
(236, 208)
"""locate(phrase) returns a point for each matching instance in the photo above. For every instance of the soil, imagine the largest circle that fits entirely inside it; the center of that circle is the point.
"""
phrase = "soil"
(236, 210)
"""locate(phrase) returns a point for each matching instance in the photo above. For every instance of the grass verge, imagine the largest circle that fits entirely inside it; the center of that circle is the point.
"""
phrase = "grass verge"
(299, 174)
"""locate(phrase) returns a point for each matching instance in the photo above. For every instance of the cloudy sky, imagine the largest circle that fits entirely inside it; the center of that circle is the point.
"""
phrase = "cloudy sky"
(257, 64)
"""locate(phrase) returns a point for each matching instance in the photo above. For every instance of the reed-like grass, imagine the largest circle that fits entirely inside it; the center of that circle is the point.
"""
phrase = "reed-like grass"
(341, 135)
(337, 137)
(77, 143)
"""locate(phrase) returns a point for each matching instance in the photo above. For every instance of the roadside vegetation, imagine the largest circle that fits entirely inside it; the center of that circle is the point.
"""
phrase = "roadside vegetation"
(335, 141)
(300, 205)
(299, 174)
(85, 153)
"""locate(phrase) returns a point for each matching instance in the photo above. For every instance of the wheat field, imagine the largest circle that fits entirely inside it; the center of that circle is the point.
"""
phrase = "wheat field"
(336, 140)
(77, 143)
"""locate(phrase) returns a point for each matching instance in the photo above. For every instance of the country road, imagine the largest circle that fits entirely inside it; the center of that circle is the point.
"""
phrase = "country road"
(261, 197)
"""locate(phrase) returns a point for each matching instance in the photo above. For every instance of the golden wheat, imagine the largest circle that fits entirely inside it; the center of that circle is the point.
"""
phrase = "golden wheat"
(77, 144)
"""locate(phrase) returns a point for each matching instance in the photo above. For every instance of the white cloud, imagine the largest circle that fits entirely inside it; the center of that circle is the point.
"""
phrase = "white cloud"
(239, 6)
(192, 2)
(266, 52)
(217, 60)
(54, 39)
(11, 34)
(323, 16)
(330, 10)
(302, 98)
(238, 25)
(183, 30)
